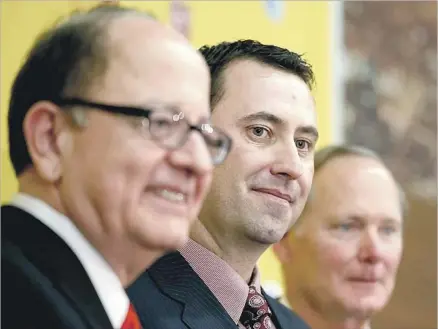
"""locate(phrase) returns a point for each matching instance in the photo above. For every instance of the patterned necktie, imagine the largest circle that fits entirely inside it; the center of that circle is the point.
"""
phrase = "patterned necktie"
(131, 320)
(256, 314)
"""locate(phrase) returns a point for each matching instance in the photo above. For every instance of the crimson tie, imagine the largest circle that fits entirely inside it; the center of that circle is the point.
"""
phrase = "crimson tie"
(256, 314)
(131, 320)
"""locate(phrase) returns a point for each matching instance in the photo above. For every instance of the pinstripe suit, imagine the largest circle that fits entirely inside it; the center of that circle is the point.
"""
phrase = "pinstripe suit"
(170, 295)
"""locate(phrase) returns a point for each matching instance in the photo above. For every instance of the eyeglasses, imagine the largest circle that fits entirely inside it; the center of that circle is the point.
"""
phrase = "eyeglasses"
(167, 128)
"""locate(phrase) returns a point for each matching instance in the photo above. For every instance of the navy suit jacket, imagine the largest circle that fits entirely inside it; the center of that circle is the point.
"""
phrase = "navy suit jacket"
(170, 295)
(43, 284)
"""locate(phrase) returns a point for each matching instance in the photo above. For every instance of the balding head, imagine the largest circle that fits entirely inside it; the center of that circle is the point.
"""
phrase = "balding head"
(137, 45)
(326, 155)
(351, 176)
(79, 47)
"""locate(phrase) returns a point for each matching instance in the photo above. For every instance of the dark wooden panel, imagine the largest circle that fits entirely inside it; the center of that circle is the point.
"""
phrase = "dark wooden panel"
(414, 303)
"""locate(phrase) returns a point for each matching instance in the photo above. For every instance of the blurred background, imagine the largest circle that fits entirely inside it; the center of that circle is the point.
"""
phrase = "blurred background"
(376, 73)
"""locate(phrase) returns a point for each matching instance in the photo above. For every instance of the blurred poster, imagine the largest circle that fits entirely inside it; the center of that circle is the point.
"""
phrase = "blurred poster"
(274, 9)
(180, 17)
(391, 82)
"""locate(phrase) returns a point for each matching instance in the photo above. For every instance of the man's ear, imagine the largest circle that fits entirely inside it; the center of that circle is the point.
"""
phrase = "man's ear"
(41, 127)
(282, 249)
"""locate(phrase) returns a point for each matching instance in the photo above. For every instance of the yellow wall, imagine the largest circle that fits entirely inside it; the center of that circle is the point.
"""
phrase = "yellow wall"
(304, 28)
(20, 22)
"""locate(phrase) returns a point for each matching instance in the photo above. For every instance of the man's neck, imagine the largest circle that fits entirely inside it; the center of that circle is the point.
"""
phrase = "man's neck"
(326, 320)
(129, 271)
(240, 256)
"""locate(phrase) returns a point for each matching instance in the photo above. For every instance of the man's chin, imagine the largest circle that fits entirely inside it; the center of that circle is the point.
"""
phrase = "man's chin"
(267, 237)
(365, 310)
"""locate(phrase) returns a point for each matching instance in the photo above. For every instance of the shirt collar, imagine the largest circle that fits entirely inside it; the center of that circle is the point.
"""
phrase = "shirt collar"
(225, 283)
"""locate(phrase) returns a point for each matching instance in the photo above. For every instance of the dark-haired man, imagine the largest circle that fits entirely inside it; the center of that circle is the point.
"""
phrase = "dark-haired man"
(261, 95)
(110, 139)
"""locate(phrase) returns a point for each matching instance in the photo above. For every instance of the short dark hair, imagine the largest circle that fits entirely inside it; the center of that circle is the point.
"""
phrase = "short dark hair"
(218, 57)
(64, 60)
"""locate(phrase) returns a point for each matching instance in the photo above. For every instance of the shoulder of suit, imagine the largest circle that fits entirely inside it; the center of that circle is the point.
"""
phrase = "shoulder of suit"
(279, 306)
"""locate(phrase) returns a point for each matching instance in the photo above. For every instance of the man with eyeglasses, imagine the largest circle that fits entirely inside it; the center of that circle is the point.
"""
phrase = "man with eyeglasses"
(261, 95)
(111, 143)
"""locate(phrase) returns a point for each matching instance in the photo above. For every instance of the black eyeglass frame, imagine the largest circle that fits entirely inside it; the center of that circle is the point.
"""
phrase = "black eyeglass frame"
(145, 113)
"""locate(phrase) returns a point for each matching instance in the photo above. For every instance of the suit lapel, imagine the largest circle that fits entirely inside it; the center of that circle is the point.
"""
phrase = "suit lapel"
(175, 277)
(277, 318)
(284, 318)
(57, 261)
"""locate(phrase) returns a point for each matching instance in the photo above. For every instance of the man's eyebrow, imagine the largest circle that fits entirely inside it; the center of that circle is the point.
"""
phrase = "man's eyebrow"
(262, 115)
(309, 130)
(272, 118)
(392, 221)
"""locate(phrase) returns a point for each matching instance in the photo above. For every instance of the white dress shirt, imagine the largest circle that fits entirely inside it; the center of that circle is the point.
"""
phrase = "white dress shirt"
(105, 281)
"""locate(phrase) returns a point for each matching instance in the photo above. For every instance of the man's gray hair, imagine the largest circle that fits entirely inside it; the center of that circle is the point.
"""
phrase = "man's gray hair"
(324, 155)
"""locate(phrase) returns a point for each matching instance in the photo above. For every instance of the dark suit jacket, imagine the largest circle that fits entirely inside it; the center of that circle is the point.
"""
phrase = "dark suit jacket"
(170, 295)
(43, 284)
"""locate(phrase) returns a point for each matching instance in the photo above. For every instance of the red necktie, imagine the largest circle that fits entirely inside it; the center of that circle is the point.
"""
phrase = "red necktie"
(256, 314)
(131, 320)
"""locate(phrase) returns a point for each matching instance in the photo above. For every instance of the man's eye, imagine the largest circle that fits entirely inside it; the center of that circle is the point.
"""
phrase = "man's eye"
(260, 132)
(303, 144)
(345, 226)
(388, 230)
(162, 123)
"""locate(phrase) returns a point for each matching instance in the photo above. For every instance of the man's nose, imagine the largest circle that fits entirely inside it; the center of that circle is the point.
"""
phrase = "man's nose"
(193, 156)
(370, 250)
(288, 163)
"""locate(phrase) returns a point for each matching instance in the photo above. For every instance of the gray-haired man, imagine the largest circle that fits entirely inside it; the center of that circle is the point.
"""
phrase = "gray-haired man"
(340, 260)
